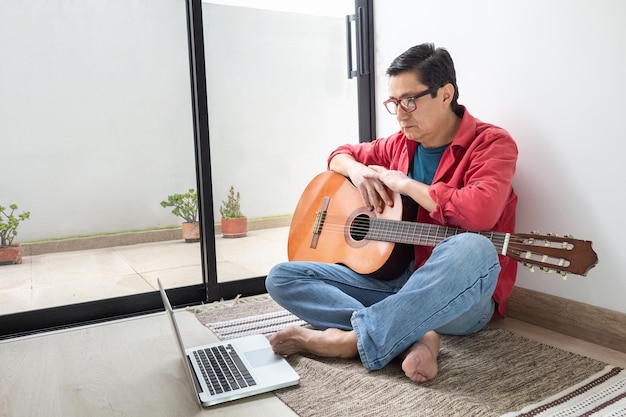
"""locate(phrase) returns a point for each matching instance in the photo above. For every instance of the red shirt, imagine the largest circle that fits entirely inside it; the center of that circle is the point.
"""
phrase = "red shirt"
(472, 185)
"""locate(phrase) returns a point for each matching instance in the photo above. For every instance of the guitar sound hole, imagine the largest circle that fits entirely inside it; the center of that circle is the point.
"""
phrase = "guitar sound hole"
(359, 227)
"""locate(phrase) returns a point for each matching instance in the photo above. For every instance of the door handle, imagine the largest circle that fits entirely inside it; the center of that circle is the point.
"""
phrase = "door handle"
(361, 62)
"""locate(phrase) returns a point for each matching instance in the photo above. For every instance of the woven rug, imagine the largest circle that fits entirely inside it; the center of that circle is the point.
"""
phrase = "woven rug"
(603, 394)
(492, 373)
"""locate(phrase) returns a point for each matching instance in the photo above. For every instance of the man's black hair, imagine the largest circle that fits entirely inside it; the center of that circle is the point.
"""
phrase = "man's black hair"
(432, 66)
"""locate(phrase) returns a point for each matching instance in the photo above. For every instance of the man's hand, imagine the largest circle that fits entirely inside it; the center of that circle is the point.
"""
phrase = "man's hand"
(399, 182)
(395, 181)
(376, 194)
(377, 184)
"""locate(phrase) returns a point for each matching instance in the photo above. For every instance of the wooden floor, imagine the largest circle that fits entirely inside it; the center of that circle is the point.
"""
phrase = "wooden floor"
(132, 367)
(124, 368)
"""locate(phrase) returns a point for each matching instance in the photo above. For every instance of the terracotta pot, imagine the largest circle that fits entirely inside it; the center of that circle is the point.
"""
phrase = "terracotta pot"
(234, 227)
(11, 255)
(191, 232)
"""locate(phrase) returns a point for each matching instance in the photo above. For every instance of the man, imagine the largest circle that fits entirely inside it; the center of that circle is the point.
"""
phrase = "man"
(459, 171)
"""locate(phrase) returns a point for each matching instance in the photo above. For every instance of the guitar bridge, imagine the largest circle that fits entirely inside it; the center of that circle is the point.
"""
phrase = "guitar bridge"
(320, 218)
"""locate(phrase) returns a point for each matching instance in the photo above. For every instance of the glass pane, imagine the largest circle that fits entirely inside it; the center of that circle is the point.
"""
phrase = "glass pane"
(279, 102)
(96, 131)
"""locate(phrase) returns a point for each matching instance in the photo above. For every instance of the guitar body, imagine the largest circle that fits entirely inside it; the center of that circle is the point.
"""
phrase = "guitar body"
(329, 224)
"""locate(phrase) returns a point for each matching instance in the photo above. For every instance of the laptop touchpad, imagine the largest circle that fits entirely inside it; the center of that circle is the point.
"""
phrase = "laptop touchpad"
(262, 357)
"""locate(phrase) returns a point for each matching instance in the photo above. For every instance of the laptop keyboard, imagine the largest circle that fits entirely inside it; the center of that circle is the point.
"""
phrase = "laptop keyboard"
(222, 369)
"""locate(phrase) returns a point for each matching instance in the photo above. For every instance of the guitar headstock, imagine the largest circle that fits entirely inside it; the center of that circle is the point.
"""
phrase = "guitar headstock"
(552, 253)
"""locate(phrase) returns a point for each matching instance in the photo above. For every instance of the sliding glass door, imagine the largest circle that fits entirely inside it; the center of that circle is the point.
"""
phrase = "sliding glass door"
(279, 101)
(97, 130)
(117, 105)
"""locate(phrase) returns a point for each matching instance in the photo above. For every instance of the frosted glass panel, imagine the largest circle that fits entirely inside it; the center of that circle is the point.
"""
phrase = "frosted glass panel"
(279, 102)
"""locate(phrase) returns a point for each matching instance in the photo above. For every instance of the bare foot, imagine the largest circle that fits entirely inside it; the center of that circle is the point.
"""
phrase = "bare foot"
(330, 343)
(420, 360)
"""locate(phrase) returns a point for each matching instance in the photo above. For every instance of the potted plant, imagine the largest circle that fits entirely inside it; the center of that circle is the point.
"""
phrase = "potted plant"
(185, 206)
(234, 223)
(10, 253)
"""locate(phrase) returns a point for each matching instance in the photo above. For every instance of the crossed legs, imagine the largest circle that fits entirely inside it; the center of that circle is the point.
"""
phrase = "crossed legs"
(380, 321)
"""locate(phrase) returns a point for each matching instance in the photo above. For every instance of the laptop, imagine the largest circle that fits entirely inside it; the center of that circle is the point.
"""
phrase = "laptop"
(231, 369)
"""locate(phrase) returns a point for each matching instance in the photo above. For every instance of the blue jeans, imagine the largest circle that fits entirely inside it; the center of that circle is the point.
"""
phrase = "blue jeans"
(451, 294)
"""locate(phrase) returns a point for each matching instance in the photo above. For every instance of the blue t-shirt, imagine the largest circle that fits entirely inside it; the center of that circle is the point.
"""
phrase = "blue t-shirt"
(425, 163)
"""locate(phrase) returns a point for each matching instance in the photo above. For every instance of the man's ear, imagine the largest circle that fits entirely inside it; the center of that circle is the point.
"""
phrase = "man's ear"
(447, 93)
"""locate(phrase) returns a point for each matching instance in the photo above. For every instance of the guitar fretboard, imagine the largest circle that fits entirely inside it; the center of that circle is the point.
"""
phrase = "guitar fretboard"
(425, 234)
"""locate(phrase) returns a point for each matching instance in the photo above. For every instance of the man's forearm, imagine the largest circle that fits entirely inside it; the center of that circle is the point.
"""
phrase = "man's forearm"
(343, 164)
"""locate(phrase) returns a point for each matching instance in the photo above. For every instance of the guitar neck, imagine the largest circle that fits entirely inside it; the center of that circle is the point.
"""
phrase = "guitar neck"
(424, 234)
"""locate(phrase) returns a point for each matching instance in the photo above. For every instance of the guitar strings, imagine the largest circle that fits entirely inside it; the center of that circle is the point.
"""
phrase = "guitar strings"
(398, 231)
(402, 231)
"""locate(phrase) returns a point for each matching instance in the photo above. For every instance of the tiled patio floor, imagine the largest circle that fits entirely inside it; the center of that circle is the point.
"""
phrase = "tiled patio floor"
(72, 277)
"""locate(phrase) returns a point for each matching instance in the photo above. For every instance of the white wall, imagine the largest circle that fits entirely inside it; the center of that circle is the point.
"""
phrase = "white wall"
(551, 73)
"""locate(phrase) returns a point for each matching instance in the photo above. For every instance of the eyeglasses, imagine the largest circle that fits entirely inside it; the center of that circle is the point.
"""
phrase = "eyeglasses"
(408, 103)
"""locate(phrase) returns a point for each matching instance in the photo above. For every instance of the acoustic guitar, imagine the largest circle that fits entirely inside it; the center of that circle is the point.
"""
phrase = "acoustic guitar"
(331, 224)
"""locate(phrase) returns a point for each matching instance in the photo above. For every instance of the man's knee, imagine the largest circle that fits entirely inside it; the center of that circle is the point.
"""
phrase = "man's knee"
(469, 255)
(274, 279)
(473, 246)
(283, 274)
